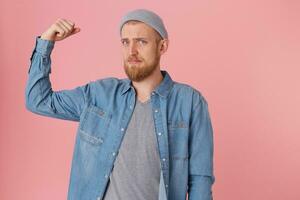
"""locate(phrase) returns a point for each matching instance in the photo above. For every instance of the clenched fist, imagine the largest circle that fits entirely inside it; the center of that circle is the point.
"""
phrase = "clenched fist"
(61, 29)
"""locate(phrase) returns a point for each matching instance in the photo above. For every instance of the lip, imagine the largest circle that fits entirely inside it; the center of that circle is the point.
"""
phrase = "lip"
(134, 61)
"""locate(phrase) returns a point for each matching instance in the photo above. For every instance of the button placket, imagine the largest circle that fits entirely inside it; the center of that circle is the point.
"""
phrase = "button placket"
(163, 154)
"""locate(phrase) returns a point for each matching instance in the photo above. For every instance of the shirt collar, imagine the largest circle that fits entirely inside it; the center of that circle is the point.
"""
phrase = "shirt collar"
(163, 89)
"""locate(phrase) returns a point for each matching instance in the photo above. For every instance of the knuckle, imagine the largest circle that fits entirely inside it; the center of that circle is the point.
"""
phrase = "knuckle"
(71, 23)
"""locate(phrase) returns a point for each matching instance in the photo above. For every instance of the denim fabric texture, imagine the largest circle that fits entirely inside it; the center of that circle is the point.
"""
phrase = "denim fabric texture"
(103, 109)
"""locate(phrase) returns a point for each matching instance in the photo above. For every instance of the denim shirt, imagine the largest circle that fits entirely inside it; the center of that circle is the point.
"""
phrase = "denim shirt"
(103, 108)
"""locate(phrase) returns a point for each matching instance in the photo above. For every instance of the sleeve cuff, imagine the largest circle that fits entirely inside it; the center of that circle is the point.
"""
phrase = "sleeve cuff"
(44, 47)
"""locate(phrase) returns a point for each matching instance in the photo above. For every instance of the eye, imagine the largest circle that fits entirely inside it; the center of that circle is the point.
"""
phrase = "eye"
(124, 42)
(142, 42)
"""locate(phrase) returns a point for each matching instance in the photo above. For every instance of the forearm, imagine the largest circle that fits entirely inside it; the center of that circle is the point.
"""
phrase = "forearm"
(200, 187)
(38, 85)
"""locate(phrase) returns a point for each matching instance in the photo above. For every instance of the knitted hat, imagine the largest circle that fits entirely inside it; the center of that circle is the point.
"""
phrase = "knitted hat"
(148, 17)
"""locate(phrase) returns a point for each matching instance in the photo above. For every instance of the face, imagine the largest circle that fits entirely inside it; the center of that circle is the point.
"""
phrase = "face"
(140, 49)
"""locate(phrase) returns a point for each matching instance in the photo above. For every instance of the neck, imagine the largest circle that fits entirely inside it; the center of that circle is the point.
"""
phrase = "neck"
(146, 86)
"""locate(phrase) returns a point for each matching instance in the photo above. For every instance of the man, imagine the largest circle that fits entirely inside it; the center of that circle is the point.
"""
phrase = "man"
(142, 137)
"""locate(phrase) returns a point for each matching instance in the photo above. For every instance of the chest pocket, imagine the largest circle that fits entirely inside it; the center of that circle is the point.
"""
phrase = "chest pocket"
(94, 125)
(178, 139)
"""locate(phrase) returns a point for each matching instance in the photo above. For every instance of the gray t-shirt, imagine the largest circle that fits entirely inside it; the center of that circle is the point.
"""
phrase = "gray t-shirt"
(136, 171)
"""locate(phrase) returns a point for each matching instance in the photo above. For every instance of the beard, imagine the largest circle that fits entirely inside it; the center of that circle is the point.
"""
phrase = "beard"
(138, 73)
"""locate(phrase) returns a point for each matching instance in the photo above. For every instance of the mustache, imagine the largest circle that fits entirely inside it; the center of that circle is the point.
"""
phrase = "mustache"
(130, 59)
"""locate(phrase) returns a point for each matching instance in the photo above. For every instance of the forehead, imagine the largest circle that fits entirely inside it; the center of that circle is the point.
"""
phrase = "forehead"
(137, 29)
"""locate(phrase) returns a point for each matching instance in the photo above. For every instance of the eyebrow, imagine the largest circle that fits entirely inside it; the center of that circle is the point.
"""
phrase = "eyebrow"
(139, 38)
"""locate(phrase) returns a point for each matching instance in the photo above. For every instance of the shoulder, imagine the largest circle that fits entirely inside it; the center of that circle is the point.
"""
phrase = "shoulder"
(189, 91)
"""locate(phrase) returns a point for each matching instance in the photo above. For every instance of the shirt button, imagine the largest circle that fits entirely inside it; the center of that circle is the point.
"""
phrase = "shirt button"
(159, 133)
(130, 106)
(152, 93)
(166, 185)
(122, 129)
(106, 176)
(164, 159)
(155, 110)
(113, 153)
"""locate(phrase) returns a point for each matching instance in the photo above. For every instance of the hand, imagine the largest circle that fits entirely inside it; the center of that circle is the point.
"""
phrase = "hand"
(60, 30)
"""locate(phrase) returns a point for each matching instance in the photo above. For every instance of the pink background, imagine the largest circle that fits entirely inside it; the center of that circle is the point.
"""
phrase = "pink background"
(244, 56)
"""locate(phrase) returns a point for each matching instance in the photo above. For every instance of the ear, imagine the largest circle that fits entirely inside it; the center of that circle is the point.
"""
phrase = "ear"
(163, 44)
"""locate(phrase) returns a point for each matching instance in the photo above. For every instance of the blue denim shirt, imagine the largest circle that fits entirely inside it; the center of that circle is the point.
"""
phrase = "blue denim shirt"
(103, 109)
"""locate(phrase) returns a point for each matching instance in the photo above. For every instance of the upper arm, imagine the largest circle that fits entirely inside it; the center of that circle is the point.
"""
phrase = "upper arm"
(63, 104)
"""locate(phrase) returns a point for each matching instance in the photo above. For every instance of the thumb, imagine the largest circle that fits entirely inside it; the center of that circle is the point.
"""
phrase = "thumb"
(75, 30)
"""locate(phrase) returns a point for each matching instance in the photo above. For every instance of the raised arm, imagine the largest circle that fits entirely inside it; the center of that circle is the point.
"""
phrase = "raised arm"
(40, 98)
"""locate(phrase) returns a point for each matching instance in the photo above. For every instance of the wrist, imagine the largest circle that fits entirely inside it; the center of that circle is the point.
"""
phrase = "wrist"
(46, 37)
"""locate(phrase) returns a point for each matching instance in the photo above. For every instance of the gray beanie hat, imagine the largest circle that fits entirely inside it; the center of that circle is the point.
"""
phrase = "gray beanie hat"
(148, 17)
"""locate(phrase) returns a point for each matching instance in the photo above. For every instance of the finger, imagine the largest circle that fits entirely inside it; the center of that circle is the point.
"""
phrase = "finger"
(66, 29)
(70, 22)
(67, 24)
(75, 30)
(61, 31)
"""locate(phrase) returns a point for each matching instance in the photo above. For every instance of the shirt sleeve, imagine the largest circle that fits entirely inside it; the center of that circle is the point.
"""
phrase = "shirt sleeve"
(201, 177)
(39, 96)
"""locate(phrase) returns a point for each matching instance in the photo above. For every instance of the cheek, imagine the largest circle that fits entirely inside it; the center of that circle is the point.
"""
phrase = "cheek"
(124, 55)
(148, 52)
(124, 51)
(151, 56)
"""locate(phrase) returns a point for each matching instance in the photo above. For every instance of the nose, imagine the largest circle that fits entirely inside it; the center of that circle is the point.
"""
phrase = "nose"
(133, 49)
